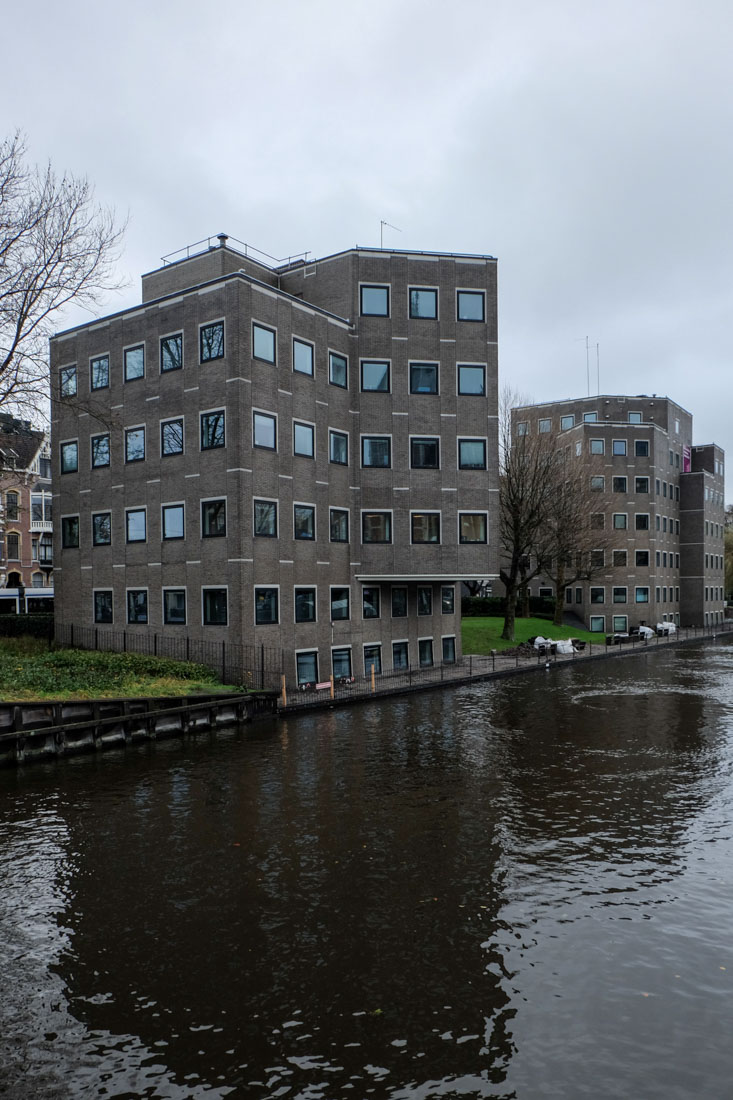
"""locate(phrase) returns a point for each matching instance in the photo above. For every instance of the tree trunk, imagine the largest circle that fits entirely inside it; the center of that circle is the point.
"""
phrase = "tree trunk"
(509, 614)
(559, 596)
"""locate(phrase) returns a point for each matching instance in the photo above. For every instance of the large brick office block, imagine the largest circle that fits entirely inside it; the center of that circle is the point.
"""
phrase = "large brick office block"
(301, 455)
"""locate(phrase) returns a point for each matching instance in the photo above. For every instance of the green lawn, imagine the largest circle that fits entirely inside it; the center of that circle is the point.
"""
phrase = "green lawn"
(481, 635)
(30, 670)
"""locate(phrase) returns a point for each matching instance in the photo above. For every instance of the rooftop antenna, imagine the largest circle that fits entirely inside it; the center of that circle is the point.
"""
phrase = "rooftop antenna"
(587, 364)
(598, 368)
(381, 231)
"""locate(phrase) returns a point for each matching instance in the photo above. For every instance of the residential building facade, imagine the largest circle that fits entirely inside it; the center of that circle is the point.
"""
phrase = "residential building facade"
(26, 544)
(658, 505)
(302, 455)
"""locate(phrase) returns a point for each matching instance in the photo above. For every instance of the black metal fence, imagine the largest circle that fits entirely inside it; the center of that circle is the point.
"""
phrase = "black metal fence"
(249, 666)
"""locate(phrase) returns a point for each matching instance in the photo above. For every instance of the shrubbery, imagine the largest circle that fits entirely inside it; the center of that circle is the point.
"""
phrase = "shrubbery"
(37, 625)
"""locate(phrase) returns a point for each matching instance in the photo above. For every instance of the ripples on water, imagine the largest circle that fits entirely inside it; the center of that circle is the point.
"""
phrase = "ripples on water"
(519, 889)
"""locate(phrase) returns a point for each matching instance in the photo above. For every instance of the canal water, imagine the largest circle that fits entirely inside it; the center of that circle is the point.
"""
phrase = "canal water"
(513, 889)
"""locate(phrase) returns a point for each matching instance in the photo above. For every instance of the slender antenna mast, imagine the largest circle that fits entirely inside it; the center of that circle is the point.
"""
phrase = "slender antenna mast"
(598, 368)
(381, 231)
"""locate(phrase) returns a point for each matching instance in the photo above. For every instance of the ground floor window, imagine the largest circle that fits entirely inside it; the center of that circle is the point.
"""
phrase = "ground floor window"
(598, 623)
(174, 606)
(449, 651)
(214, 606)
(307, 667)
(372, 659)
(425, 652)
(341, 663)
(103, 607)
(620, 624)
(137, 605)
(400, 656)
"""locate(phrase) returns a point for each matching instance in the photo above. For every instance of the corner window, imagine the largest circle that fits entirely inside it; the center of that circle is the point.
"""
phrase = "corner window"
(472, 527)
(99, 372)
(67, 381)
(425, 527)
(471, 380)
(213, 430)
(338, 448)
(213, 519)
(172, 521)
(265, 519)
(263, 343)
(376, 450)
(134, 444)
(134, 363)
(305, 605)
(425, 652)
(171, 437)
(338, 369)
(567, 422)
(100, 450)
(103, 606)
(266, 606)
(302, 357)
(264, 431)
(69, 457)
(597, 446)
(304, 521)
(211, 341)
(135, 524)
(619, 446)
(424, 453)
(471, 305)
(423, 377)
(340, 604)
(174, 606)
(304, 439)
(214, 611)
(374, 301)
(171, 353)
(137, 605)
(376, 527)
(339, 525)
(448, 600)
(70, 532)
(101, 529)
(370, 603)
(423, 302)
(375, 376)
(399, 603)
(641, 448)
(424, 600)
(471, 454)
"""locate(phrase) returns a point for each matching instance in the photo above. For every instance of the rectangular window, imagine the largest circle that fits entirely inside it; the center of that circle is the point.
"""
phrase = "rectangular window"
(425, 527)
(372, 659)
(642, 595)
(590, 418)
(174, 606)
(134, 444)
(171, 437)
(423, 377)
(597, 521)
(522, 428)
(302, 357)
(306, 667)
(172, 521)
(370, 603)
(619, 484)
(471, 380)
(266, 606)
(664, 488)
(69, 457)
(424, 600)
(375, 375)
(470, 305)
(211, 341)
(471, 454)
(619, 594)
(213, 432)
(304, 439)
(620, 559)
(641, 448)
(134, 363)
(305, 605)
(341, 664)
(304, 521)
(619, 446)
(376, 450)
(399, 603)
(424, 453)
(641, 520)
(264, 431)
(472, 527)
(544, 425)
(597, 623)
(641, 484)
(338, 369)
(338, 448)
(67, 381)
(339, 525)
(597, 561)
(374, 301)
(103, 606)
(376, 527)
(213, 519)
(423, 302)
(340, 609)
(620, 521)
(214, 611)
(620, 624)
(137, 605)
(634, 418)
(263, 343)
(597, 595)
(400, 656)
(136, 524)
(101, 528)
(99, 372)
(100, 450)
(598, 483)
(449, 651)
(425, 652)
(265, 519)
(70, 532)
(171, 352)
(597, 446)
(567, 422)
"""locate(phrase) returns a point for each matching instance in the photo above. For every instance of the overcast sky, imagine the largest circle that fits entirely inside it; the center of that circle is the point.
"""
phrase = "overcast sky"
(587, 145)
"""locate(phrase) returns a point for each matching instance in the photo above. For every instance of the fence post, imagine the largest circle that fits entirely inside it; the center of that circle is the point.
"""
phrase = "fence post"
(284, 692)
(72, 635)
(155, 645)
(96, 637)
(373, 683)
(332, 685)
(124, 641)
(223, 662)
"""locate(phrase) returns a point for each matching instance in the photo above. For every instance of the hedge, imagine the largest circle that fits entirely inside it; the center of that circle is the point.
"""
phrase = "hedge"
(37, 625)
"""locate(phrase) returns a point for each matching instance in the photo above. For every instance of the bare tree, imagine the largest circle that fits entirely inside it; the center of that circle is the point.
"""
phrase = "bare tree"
(57, 246)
